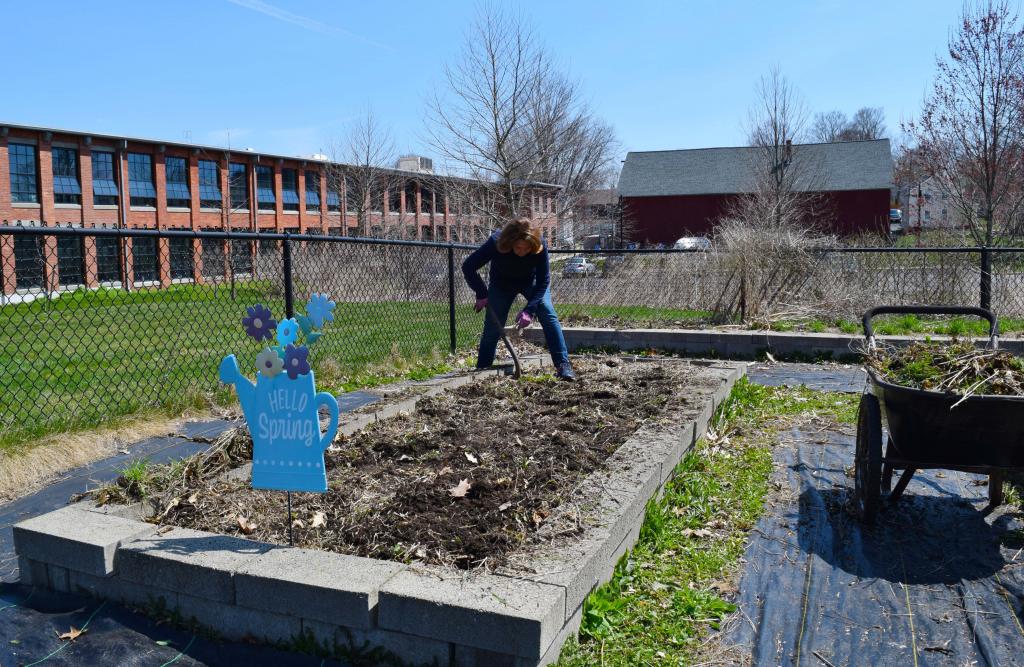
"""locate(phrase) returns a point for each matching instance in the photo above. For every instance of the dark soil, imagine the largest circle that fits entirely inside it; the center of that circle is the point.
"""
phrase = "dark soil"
(521, 447)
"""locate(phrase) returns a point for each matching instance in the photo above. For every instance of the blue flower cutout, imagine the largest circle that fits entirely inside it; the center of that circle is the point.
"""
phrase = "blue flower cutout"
(259, 323)
(319, 309)
(296, 361)
(287, 332)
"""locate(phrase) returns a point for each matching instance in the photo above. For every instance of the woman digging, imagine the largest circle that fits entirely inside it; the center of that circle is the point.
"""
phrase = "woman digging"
(519, 265)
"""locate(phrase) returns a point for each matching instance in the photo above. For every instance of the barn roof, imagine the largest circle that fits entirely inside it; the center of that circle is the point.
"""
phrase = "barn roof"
(851, 165)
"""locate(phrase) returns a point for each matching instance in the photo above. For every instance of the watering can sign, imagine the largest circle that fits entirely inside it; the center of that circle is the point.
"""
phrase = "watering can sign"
(283, 418)
(282, 408)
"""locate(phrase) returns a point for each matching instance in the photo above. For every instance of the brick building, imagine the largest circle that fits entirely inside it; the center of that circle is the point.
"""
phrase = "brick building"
(51, 177)
(666, 195)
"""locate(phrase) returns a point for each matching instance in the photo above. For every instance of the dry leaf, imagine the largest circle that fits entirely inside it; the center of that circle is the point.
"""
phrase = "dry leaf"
(700, 532)
(770, 358)
(297, 523)
(246, 526)
(471, 458)
(444, 471)
(192, 499)
(539, 516)
(504, 506)
(319, 519)
(72, 634)
(461, 490)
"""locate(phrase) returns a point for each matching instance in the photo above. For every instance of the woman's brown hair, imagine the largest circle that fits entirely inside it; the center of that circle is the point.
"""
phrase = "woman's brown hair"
(519, 230)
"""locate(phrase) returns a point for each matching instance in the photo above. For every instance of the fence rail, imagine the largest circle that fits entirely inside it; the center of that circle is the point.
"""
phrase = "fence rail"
(96, 323)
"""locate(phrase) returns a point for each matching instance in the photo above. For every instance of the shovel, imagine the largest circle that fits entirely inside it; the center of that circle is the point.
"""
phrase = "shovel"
(517, 368)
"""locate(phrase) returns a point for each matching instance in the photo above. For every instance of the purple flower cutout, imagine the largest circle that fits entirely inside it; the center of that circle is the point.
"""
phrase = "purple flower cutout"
(259, 323)
(296, 360)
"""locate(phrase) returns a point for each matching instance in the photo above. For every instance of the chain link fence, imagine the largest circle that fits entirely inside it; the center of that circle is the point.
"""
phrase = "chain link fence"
(96, 323)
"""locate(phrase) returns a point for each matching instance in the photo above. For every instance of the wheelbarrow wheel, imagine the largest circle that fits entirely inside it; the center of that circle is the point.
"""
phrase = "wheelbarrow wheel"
(868, 461)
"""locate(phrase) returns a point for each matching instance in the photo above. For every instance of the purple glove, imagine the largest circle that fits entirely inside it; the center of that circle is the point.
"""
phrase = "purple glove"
(523, 319)
(480, 304)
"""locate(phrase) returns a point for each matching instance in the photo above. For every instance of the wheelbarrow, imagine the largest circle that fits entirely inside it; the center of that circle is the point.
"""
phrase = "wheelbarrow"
(981, 434)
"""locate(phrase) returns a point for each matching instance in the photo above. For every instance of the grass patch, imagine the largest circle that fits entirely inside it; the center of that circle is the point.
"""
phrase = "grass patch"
(672, 589)
(574, 314)
(82, 359)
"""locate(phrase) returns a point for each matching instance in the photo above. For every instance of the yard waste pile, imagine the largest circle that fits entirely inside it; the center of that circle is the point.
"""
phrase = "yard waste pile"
(956, 367)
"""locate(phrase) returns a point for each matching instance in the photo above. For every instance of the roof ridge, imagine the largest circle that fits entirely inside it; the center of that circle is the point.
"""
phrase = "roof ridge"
(719, 148)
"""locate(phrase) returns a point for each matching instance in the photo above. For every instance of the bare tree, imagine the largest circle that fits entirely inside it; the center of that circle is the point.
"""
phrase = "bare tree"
(505, 118)
(360, 166)
(868, 123)
(828, 126)
(970, 135)
(766, 233)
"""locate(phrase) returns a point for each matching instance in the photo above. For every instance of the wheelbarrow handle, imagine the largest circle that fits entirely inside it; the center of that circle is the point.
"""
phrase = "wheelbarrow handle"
(993, 321)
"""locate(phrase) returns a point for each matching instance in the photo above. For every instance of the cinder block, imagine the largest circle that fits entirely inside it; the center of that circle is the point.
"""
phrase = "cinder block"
(234, 622)
(479, 610)
(115, 588)
(76, 539)
(380, 646)
(320, 585)
(32, 572)
(58, 578)
(466, 656)
(571, 627)
(188, 561)
(575, 566)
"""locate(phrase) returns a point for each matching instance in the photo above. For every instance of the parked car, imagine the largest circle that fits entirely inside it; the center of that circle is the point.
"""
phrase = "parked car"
(693, 243)
(578, 266)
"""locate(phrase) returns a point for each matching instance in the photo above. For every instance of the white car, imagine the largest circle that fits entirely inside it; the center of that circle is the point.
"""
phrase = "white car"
(578, 266)
(692, 243)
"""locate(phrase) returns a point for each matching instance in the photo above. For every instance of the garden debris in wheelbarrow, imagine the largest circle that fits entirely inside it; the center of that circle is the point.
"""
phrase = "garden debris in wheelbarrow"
(956, 367)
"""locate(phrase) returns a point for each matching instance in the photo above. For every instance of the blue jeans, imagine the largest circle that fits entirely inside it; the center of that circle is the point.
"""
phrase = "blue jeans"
(500, 299)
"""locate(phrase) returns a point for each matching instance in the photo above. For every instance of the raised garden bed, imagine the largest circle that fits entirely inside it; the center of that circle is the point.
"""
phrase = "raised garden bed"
(558, 476)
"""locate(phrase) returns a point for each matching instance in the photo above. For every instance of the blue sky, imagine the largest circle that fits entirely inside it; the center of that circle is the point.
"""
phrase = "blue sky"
(287, 76)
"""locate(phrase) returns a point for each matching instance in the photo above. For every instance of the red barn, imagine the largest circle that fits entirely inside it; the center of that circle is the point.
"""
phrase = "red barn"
(669, 194)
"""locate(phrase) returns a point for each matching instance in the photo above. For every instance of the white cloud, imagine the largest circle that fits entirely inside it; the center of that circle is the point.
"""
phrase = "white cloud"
(302, 21)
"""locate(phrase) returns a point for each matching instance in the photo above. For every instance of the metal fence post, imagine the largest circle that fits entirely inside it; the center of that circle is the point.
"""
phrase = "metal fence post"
(451, 298)
(986, 278)
(289, 297)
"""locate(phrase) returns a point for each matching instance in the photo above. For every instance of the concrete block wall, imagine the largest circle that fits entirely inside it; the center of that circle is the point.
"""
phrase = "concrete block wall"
(419, 614)
(733, 344)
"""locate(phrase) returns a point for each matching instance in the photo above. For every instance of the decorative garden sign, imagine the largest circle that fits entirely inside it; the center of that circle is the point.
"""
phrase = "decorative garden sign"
(282, 407)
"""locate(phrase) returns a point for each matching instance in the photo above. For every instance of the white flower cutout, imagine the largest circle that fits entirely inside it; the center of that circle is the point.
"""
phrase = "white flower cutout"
(269, 363)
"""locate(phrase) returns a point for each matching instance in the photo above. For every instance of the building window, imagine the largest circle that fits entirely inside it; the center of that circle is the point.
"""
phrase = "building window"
(265, 198)
(410, 198)
(108, 257)
(145, 261)
(66, 188)
(333, 200)
(238, 186)
(71, 260)
(351, 196)
(290, 189)
(178, 195)
(104, 179)
(140, 180)
(209, 185)
(24, 181)
(394, 200)
(426, 200)
(182, 256)
(29, 252)
(312, 191)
